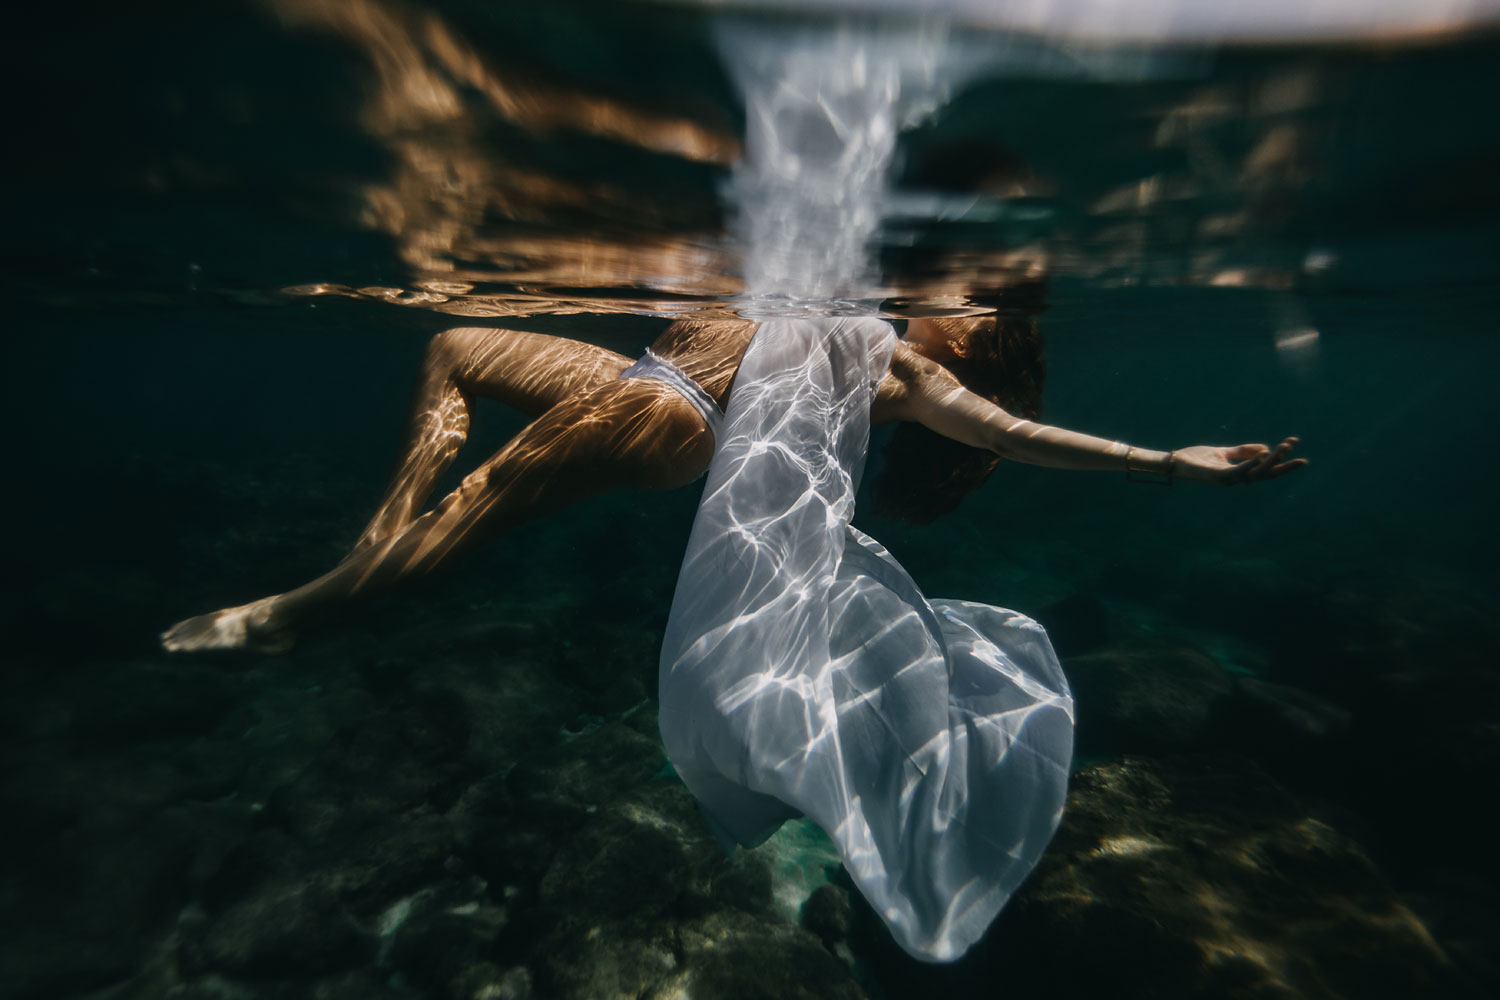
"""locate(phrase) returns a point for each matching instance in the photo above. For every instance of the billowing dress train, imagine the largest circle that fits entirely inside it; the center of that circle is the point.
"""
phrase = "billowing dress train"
(803, 672)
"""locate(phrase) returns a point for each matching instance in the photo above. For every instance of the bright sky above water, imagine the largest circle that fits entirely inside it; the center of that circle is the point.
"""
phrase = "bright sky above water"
(1185, 20)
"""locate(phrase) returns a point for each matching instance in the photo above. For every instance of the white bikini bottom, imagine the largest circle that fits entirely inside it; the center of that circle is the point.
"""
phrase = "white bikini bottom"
(653, 365)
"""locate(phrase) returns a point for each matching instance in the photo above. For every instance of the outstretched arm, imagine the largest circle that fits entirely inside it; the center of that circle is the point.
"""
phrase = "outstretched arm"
(923, 391)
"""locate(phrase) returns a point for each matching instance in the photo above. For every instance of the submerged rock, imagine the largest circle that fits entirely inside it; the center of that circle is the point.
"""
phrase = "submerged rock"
(641, 902)
(1260, 708)
(1298, 736)
(1155, 696)
(643, 857)
(1146, 695)
(827, 913)
(485, 981)
(88, 907)
(1194, 877)
(445, 937)
(1077, 624)
(358, 984)
(139, 702)
(405, 756)
(282, 930)
(1459, 907)
(731, 956)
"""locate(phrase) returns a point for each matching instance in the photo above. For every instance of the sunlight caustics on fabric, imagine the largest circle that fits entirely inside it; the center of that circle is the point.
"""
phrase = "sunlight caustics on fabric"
(803, 671)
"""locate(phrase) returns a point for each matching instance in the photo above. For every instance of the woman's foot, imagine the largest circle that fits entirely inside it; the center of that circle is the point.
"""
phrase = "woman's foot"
(246, 627)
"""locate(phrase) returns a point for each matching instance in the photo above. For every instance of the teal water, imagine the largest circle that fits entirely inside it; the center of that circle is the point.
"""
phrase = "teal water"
(1287, 694)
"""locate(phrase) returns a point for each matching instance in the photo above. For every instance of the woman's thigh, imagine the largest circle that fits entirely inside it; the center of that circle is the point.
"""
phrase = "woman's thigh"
(625, 434)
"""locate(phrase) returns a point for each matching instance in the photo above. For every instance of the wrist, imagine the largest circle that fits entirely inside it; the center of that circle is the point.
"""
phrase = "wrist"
(1155, 463)
(1142, 462)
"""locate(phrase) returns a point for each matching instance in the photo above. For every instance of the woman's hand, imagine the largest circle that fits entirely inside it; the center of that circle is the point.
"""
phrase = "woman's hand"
(1245, 463)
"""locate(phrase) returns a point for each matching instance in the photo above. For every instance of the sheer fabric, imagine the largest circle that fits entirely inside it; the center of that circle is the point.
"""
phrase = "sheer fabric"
(804, 672)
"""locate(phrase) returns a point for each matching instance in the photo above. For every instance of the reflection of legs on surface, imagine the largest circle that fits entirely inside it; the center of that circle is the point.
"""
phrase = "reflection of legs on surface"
(631, 433)
(528, 371)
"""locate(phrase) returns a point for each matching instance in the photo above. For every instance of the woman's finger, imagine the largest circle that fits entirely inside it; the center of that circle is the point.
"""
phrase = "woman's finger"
(1258, 462)
(1238, 473)
(1275, 458)
(1257, 466)
(1266, 468)
(1286, 467)
(1241, 452)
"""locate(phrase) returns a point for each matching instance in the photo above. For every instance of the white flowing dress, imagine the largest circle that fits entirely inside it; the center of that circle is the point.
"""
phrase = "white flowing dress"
(803, 672)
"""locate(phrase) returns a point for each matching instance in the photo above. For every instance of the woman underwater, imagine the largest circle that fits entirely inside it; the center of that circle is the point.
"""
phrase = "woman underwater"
(603, 423)
(802, 670)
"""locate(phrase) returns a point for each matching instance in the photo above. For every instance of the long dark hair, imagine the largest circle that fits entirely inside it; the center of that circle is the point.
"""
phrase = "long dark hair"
(924, 475)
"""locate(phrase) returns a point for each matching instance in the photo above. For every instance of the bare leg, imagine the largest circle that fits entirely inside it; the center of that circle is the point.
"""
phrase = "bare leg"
(630, 433)
(528, 371)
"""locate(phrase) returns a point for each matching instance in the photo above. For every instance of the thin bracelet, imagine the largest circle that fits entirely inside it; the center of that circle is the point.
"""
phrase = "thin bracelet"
(1134, 476)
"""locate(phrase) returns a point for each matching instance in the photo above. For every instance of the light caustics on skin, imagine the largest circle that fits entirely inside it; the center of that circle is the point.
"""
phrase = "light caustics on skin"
(626, 433)
(802, 670)
(528, 372)
(594, 432)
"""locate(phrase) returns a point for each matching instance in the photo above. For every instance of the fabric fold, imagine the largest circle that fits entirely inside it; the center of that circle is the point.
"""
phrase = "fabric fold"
(804, 672)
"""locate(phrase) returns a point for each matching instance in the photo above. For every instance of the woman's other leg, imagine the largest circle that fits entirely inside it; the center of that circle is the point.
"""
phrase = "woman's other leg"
(625, 433)
(528, 371)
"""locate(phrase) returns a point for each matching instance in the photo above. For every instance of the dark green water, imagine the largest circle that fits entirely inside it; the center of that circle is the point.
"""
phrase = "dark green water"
(1289, 705)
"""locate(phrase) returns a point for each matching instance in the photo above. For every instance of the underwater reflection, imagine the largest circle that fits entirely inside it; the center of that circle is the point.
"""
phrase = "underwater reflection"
(495, 210)
(465, 208)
